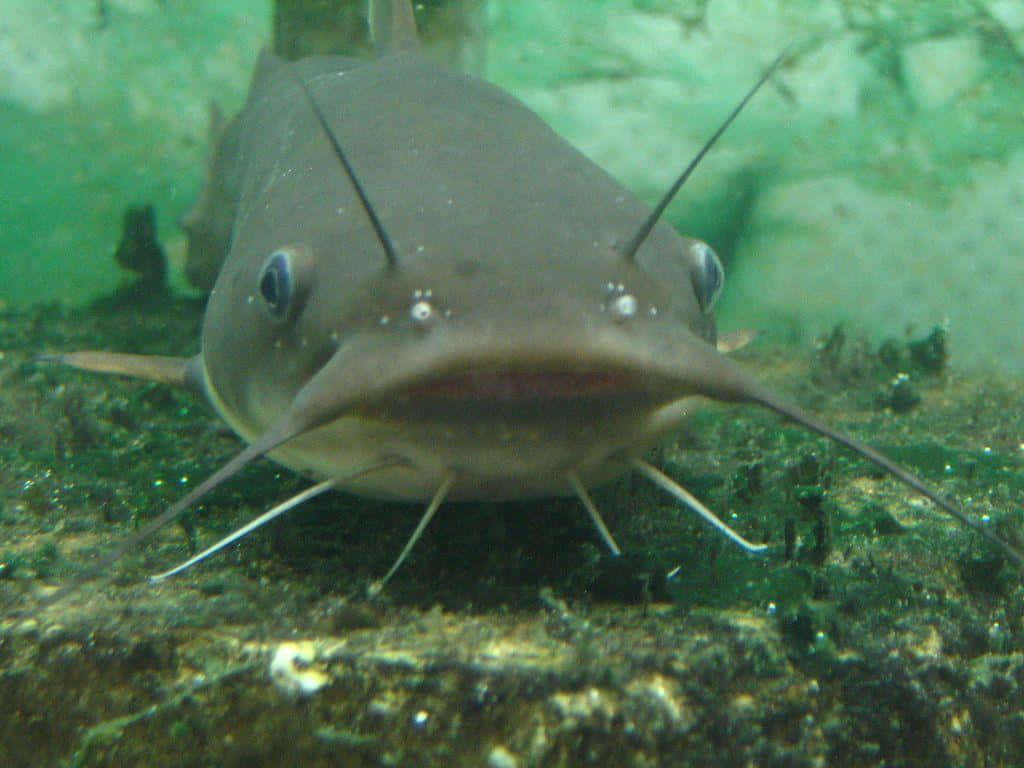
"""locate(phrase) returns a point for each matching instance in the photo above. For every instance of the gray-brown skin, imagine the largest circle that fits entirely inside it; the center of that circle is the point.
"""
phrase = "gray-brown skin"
(504, 234)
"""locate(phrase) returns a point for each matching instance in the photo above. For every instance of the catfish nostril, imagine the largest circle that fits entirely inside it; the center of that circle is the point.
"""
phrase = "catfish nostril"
(620, 305)
(422, 313)
(623, 307)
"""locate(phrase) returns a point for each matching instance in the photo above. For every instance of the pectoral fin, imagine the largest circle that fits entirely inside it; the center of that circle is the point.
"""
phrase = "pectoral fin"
(178, 371)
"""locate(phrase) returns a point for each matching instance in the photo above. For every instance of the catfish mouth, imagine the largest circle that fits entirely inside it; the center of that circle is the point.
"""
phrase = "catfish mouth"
(510, 385)
(524, 393)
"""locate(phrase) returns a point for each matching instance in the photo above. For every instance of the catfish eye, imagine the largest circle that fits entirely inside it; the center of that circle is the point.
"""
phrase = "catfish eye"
(284, 281)
(706, 274)
(276, 283)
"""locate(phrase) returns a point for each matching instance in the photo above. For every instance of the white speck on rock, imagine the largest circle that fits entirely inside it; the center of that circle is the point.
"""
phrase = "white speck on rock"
(502, 758)
(291, 670)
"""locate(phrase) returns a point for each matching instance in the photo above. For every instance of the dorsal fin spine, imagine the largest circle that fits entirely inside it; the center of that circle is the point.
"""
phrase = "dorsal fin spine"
(393, 26)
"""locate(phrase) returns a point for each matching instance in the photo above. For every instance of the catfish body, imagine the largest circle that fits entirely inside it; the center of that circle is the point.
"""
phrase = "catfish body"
(504, 233)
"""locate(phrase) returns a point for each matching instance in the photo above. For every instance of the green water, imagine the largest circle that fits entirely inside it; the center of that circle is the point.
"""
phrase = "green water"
(98, 115)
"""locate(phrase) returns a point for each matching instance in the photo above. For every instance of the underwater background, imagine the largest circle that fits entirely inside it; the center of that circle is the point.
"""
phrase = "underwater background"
(877, 181)
(868, 207)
